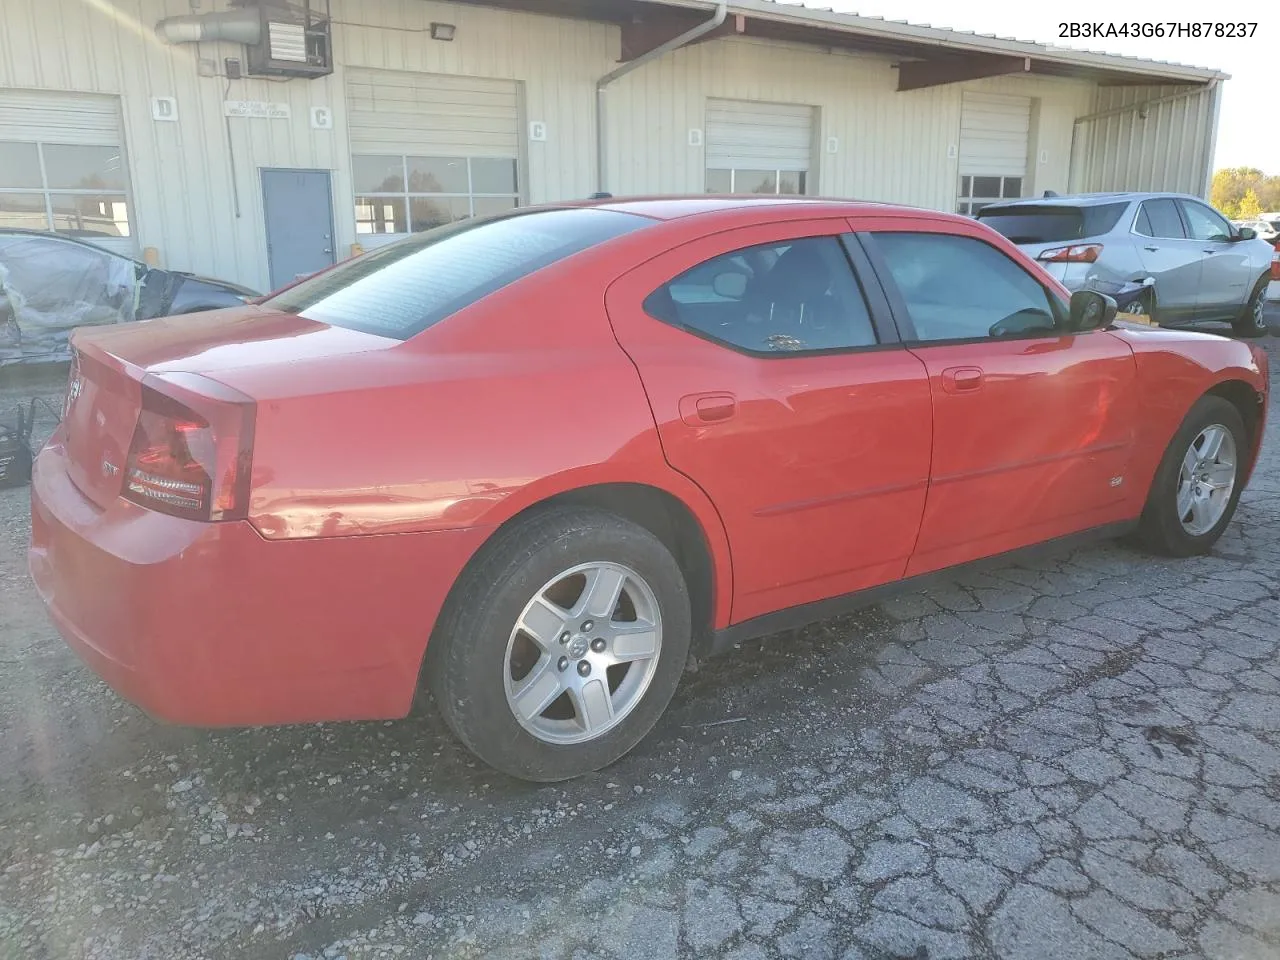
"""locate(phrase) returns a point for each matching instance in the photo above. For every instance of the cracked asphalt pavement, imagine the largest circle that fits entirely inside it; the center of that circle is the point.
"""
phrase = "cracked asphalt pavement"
(1073, 758)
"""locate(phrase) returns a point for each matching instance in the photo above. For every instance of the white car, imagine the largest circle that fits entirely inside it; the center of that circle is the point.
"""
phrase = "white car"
(1267, 228)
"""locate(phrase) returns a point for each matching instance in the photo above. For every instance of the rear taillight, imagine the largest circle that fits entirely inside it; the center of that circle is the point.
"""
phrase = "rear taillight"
(192, 449)
(1275, 264)
(1081, 253)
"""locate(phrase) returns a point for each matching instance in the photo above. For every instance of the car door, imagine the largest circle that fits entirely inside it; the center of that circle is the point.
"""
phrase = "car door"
(1226, 277)
(778, 386)
(1033, 425)
(1173, 260)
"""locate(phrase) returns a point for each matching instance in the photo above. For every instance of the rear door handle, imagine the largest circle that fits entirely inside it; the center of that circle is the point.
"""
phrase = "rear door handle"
(961, 379)
(1210, 250)
(1151, 249)
(699, 409)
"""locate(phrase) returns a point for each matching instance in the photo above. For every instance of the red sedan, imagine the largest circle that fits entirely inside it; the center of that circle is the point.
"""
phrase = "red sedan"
(533, 462)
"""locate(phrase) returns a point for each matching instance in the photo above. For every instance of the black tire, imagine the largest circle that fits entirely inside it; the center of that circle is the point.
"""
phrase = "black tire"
(467, 655)
(1252, 322)
(1147, 306)
(1160, 528)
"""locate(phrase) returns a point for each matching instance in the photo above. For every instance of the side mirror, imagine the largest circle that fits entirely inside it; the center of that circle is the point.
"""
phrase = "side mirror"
(1090, 310)
(1246, 233)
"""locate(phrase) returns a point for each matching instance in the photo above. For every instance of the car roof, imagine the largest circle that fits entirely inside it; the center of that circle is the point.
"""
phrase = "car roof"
(679, 206)
(53, 235)
(1085, 199)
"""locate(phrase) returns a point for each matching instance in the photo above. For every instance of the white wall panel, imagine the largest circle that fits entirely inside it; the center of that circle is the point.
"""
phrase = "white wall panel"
(182, 173)
(891, 146)
(1166, 146)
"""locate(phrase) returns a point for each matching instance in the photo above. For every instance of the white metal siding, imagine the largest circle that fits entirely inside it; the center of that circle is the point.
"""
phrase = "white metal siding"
(432, 114)
(60, 117)
(1171, 148)
(758, 136)
(889, 146)
(186, 210)
(994, 129)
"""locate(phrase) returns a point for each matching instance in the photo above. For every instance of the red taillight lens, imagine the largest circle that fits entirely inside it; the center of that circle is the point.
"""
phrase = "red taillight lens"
(1081, 253)
(192, 449)
(1275, 265)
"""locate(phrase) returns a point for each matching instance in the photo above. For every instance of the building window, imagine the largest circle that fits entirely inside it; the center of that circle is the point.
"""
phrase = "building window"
(71, 188)
(756, 181)
(402, 194)
(976, 192)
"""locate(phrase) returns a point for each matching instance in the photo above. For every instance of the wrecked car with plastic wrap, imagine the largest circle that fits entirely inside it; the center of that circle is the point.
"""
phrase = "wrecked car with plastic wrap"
(50, 284)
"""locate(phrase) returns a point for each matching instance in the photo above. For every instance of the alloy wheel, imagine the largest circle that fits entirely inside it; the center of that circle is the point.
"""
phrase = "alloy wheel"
(583, 653)
(1206, 479)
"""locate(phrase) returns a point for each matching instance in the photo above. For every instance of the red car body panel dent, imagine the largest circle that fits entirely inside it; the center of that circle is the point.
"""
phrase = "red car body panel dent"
(379, 467)
(1175, 369)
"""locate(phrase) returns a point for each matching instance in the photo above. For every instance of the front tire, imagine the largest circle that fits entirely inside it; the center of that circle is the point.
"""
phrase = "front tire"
(1145, 306)
(562, 646)
(1251, 322)
(1198, 483)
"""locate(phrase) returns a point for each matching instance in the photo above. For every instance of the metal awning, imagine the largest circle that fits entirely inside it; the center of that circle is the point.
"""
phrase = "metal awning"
(927, 55)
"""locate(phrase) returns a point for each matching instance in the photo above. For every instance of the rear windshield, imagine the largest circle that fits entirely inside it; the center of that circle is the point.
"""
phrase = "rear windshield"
(1052, 224)
(405, 287)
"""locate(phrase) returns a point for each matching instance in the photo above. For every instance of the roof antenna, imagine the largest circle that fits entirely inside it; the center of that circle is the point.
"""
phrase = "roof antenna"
(1051, 193)
(601, 195)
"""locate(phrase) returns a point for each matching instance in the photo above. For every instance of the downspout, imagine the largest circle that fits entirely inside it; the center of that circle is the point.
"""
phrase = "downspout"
(722, 10)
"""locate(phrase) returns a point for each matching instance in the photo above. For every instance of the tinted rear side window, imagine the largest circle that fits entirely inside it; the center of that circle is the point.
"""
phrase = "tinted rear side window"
(403, 288)
(1159, 218)
(1052, 224)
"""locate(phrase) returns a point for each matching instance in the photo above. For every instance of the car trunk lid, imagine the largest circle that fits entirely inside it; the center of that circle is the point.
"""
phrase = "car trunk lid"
(103, 398)
(110, 366)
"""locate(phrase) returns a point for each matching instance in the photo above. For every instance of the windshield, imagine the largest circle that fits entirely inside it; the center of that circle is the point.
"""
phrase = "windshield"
(402, 289)
(1052, 224)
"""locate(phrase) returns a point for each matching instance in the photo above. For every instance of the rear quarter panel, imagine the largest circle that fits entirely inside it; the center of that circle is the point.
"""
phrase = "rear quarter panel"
(1175, 369)
(517, 398)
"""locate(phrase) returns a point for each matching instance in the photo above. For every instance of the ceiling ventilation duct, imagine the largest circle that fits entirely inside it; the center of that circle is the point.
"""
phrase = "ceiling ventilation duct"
(282, 40)
(234, 26)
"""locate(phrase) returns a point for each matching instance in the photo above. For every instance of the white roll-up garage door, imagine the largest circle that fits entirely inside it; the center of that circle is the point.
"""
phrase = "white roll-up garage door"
(754, 147)
(994, 130)
(432, 114)
(62, 166)
(428, 149)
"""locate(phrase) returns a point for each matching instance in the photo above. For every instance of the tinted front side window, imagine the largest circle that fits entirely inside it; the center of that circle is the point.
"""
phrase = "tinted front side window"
(1159, 218)
(959, 288)
(1206, 224)
(401, 289)
(776, 298)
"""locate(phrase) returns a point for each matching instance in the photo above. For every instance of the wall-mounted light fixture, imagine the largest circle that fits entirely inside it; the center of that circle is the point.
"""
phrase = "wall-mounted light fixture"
(442, 31)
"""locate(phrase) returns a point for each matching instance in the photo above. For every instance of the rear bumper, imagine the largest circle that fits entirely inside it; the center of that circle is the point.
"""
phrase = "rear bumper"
(210, 624)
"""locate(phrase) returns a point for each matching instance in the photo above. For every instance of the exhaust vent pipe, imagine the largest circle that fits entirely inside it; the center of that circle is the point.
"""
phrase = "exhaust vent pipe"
(234, 26)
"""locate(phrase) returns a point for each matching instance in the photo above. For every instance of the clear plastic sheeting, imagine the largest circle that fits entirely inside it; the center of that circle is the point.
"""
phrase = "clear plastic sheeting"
(49, 289)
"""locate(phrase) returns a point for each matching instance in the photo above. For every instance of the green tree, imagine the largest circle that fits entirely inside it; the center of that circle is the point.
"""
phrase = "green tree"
(1232, 184)
(1250, 206)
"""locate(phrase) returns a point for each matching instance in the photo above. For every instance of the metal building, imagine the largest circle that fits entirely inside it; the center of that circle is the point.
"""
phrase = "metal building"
(255, 140)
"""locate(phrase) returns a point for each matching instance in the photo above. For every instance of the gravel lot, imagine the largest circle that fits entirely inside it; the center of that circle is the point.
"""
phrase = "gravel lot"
(1078, 758)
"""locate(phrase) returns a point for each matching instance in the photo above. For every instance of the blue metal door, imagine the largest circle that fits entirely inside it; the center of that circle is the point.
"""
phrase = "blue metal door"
(297, 206)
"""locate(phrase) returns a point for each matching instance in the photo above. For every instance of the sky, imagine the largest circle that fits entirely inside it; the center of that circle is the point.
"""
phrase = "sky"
(1249, 125)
